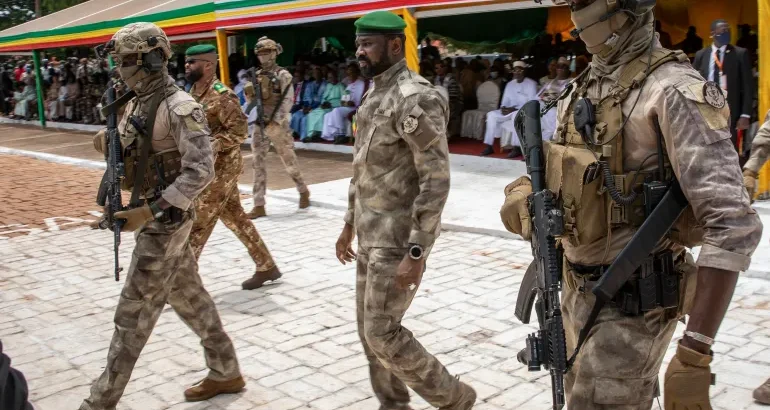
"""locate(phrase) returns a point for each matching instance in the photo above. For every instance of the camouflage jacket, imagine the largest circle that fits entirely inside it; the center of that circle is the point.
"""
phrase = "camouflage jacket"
(696, 138)
(760, 147)
(225, 117)
(401, 162)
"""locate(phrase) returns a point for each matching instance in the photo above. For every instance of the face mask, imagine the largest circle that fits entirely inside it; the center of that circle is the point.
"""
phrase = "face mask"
(266, 59)
(595, 33)
(723, 39)
(129, 75)
(493, 75)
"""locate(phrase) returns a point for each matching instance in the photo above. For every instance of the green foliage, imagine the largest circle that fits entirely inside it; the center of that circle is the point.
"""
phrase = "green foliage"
(15, 12)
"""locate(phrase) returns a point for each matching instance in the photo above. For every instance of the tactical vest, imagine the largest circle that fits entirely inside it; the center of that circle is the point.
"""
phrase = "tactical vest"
(156, 162)
(577, 169)
(272, 93)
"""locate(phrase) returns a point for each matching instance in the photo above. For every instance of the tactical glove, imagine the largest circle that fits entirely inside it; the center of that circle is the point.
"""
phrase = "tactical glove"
(515, 210)
(100, 141)
(750, 182)
(687, 382)
(135, 218)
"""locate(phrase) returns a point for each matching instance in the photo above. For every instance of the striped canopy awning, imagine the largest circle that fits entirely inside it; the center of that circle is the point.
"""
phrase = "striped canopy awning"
(95, 21)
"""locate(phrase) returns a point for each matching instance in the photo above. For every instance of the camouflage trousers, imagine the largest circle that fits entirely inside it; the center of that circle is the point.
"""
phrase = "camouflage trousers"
(221, 200)
(163, 270)
(283, 142)
(396, 358)
(617, 367)
(84, 108)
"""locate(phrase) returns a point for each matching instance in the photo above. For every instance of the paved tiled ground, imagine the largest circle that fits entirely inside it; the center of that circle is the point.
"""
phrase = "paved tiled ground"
(296, 340)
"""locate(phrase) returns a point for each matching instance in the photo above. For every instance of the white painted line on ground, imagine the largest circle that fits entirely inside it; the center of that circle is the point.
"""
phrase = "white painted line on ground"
(30, 138)
(76, 144)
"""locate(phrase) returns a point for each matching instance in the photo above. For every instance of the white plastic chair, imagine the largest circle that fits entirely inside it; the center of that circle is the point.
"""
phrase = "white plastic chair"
(474, 121)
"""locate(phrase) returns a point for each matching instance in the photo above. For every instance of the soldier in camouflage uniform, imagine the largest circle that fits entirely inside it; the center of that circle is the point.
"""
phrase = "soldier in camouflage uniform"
(163, 267)
(399, 187)
(277, 93)
(221, 199)
(650, 103)
(760, 153)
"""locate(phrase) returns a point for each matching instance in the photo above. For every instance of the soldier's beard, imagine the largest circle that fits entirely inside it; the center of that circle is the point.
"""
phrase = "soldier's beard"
(193, 76)
(370, 70)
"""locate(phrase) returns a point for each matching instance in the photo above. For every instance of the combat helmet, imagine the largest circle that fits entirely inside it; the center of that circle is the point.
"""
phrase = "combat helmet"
(265, 43)
(139, 38)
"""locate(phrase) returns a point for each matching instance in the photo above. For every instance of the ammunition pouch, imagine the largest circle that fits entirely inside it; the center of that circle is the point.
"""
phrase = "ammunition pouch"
(162, 169)
(655, 284)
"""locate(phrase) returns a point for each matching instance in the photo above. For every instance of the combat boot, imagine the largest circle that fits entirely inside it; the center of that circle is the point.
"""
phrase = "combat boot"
(304, 200)
(465, 401)
(256, 212)
(762, 393)
(207, 388)
(259, 278)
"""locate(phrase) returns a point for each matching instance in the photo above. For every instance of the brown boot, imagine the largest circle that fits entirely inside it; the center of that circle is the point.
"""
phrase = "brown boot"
(304, 200)
(762, 393)
(256, 212)
(207, 388)
(466, 400)
(259, 278)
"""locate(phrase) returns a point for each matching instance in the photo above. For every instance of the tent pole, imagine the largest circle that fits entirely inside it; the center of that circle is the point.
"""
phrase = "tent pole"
(763, 8)
(39, 87)
(224, 69)
(412, 59)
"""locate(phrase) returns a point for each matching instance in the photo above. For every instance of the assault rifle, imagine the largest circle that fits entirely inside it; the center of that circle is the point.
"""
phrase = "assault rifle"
(109, 196)
(547, 348)
(257, 102)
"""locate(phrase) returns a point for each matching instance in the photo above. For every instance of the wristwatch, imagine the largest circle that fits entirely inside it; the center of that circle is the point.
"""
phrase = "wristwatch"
(415, 251)
(156, 211)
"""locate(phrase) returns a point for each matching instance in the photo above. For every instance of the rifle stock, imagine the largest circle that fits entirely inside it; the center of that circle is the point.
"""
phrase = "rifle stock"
(547, 348)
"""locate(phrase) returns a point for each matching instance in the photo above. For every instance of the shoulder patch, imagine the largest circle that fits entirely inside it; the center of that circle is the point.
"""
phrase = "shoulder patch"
(219, 87)
(713, 94)
(714, 112)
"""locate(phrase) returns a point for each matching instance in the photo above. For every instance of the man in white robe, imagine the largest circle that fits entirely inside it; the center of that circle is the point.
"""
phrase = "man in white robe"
(336, 121)
(517, 93)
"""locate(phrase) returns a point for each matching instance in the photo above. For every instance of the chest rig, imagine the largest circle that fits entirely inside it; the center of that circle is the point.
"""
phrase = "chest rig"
(148, 172)
(272, 94)
(585, 160)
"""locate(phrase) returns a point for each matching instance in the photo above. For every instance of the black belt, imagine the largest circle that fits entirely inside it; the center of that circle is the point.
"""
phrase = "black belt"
(655, 284)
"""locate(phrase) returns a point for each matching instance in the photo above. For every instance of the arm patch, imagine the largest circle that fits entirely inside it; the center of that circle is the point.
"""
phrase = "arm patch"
(220, 88)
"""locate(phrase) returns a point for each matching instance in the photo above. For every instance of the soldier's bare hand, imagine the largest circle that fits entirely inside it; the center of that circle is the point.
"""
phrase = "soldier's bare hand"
(743, 124)
(409, 273)
(344, 246)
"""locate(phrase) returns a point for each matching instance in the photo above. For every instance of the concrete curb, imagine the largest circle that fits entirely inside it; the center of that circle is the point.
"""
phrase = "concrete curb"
(289, 194)
(69, 126)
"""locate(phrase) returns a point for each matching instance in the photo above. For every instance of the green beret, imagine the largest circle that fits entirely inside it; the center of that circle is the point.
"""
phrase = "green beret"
(201, 49)
(380, 22)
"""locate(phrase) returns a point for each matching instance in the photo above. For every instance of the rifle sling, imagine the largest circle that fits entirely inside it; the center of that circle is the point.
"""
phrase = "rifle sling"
(125, 98)
(145, 143)
(275, 110)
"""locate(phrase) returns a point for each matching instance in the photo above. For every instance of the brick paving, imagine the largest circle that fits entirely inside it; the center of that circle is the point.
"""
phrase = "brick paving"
(316, 166)
(43, 195)
(296, 340)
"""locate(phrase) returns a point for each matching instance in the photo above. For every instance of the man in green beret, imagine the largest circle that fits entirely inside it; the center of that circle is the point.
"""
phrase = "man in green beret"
(397, 194)
(221, 199)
